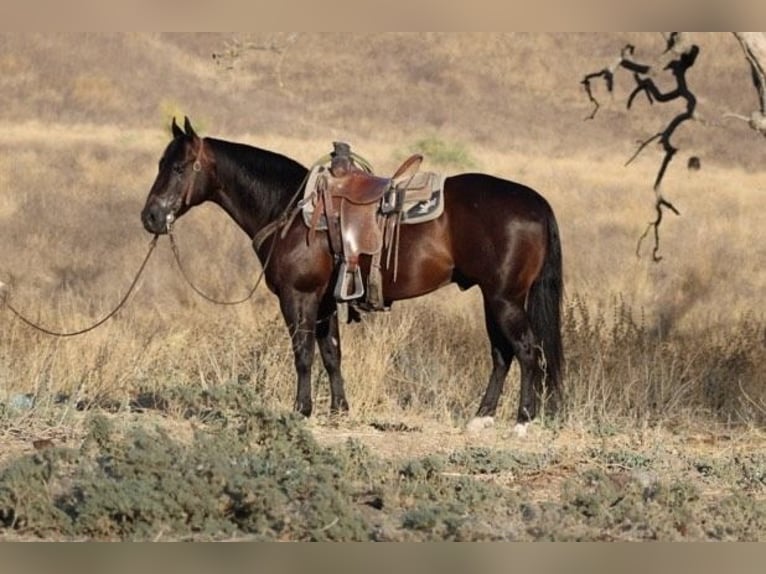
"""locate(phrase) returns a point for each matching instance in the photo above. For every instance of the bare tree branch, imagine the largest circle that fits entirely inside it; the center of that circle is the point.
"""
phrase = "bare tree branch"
(235, 48)
(754, 46)
(678, 68)
(686, 57)
(234, 53)
(655, 225)
(608, 74)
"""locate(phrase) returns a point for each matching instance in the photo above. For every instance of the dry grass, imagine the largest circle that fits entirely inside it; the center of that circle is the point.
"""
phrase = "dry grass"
(426, 360)
(662, 358)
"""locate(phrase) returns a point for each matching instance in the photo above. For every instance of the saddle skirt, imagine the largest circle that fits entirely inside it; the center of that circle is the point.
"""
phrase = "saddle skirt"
(419, 198)
(361, 214)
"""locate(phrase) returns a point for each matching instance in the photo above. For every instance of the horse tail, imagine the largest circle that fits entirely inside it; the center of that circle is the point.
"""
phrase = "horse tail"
(544, 308)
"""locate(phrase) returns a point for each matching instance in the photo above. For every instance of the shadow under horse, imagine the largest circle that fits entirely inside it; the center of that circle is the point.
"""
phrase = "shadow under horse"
(495, 234)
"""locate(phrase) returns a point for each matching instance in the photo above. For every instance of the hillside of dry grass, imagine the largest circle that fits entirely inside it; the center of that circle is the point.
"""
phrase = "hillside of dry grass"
(662, 358)
(86, 119)
(516, 92)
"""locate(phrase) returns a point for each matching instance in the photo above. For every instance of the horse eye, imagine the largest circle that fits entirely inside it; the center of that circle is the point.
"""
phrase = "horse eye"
(178, 169)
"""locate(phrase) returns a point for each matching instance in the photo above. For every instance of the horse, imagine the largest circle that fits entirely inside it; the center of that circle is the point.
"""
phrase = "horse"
(494, 233)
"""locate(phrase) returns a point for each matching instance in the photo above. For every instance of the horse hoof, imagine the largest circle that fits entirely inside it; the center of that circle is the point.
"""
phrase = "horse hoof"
(520, 430)
(339, 407)
(478, 424)
(303, 410)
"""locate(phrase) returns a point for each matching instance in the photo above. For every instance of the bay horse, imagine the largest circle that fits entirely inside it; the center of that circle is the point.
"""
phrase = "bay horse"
(495, 234)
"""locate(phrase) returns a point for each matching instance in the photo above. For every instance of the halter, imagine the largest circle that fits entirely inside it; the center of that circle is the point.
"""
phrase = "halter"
(196, 168)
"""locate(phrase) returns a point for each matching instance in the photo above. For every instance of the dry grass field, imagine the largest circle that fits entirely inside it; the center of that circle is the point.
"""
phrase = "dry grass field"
(171, 421)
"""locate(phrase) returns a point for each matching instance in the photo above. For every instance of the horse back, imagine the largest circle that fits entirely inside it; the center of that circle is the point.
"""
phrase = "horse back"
(498, 232)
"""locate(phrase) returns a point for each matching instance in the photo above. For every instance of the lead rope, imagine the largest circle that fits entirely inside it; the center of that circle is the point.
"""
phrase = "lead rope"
(209, 298)
(283, 222)
(29, 322)
(286, 217)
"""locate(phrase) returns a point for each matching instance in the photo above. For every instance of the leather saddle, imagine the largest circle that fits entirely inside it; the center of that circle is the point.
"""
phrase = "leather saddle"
(353, 203)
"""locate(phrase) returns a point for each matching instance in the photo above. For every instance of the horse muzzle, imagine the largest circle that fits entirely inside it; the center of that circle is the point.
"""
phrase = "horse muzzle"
(156, 219)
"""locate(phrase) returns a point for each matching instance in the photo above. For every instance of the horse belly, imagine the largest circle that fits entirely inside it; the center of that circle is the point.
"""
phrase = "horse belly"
(424, 264)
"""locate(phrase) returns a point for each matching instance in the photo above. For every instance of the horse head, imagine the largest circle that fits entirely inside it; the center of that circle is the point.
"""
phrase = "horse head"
(186, 177)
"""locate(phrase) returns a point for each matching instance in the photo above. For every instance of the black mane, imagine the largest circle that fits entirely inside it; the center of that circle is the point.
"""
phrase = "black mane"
(269, 178)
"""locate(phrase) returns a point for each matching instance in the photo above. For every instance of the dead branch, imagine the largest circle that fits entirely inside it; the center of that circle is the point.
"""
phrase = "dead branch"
(686, 57)
(655, 225)
(754, 46)
(608, 75)
(678, 68)
(235, 50)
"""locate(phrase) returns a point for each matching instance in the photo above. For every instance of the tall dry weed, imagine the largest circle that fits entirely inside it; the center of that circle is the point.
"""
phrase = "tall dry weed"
(683, 336)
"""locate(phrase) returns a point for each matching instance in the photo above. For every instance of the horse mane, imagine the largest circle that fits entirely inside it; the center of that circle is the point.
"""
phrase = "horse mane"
(270, 178)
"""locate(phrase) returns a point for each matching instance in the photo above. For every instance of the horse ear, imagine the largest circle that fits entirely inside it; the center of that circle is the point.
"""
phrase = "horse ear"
(189, 129)
(177, 132)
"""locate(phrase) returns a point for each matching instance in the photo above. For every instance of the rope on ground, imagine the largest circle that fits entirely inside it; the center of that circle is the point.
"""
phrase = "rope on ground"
(4, 301)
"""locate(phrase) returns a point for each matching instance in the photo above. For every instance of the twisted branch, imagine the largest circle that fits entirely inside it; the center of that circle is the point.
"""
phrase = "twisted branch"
(235, 50)
(687, 56)
(608, 75)
(753, 45)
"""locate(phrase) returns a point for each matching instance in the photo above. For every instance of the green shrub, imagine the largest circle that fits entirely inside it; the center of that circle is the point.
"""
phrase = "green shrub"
(441, 153)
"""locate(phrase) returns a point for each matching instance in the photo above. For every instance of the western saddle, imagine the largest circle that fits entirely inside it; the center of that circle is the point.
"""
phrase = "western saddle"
(361, 213)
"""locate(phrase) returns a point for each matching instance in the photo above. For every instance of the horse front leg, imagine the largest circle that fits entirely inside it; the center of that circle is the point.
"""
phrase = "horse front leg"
(328, 338)
(300, 313)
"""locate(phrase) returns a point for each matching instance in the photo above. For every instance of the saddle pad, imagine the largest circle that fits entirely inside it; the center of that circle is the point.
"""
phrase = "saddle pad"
(310, 195)
(423, 198)
(419, 210)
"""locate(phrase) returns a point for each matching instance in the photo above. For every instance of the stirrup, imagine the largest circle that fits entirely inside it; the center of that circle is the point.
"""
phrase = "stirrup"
(346, 279)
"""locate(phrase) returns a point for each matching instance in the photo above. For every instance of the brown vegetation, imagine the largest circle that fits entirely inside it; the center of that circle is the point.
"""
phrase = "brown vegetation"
(665, 362)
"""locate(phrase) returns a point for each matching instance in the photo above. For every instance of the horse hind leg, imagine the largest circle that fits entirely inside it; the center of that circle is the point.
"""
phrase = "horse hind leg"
(328, 339)
(502, 356)
(513, 330)
(527, 350)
